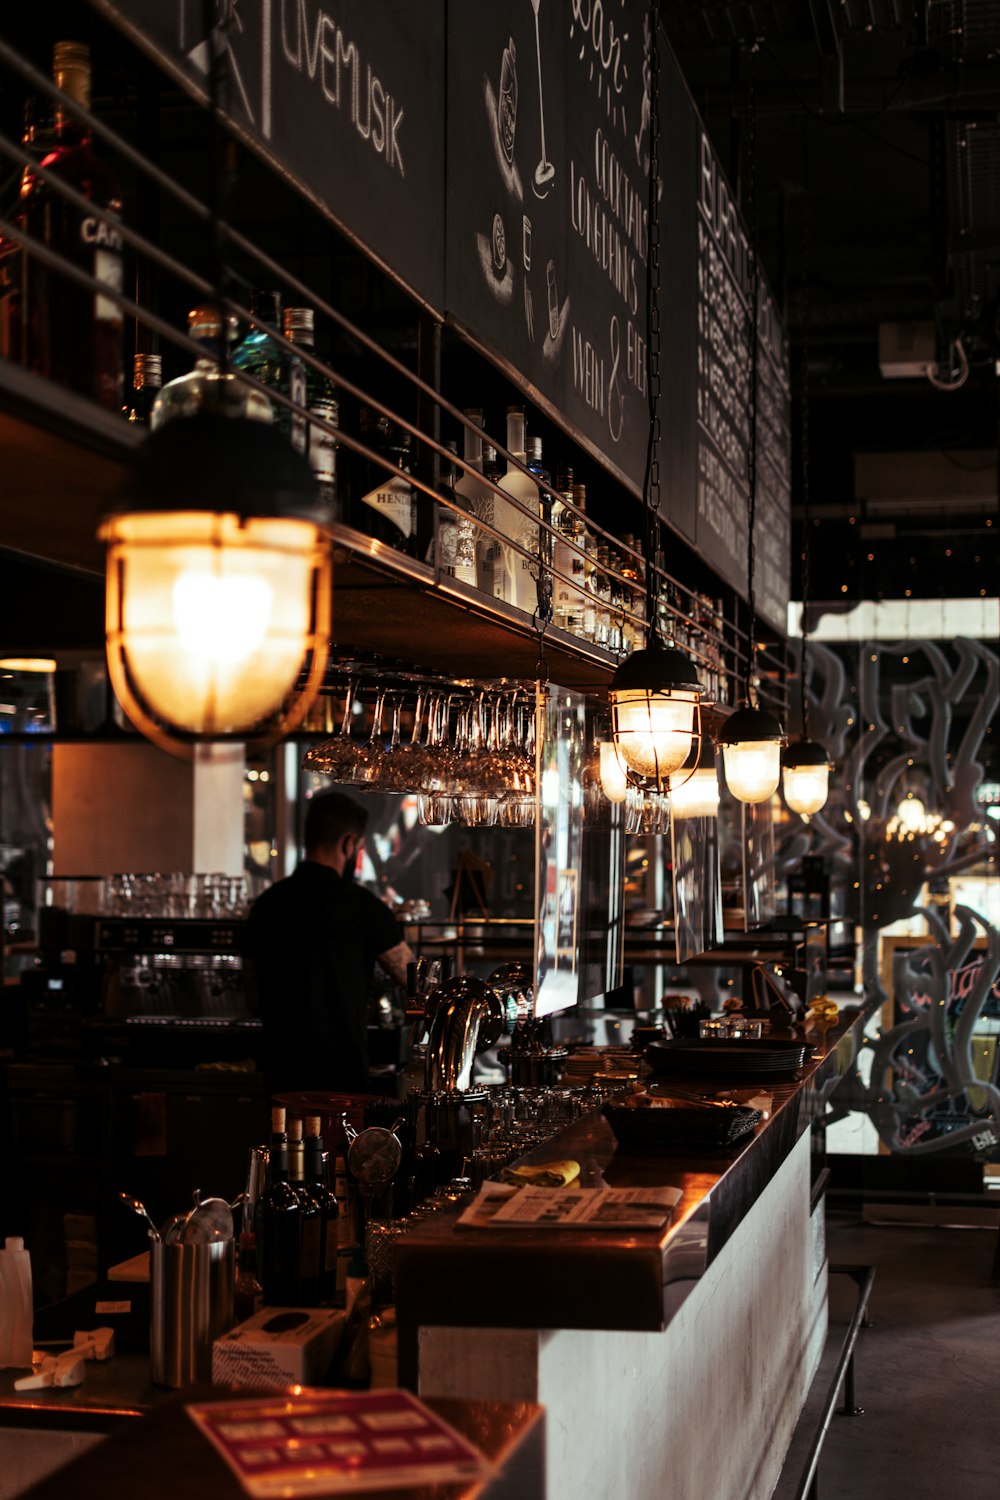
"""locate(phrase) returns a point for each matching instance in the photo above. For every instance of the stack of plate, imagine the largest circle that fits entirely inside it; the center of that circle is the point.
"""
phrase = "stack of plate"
(753, 1059)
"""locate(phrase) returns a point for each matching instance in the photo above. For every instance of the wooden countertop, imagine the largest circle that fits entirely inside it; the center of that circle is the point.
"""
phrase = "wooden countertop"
(453, 1276)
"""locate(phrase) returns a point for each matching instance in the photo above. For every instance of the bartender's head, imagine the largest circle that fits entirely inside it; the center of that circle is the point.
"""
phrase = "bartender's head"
(335, 827)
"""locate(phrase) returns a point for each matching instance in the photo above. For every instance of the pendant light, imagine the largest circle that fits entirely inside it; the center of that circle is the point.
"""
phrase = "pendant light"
(217, 592)
(655, 693)
(696, 795)
(806, 766)
(751, 738)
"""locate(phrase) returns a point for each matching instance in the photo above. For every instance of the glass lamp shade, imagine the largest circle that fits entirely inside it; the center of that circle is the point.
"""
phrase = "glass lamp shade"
(751, 741)
(614, 777)
(655, 702)
(805, 777)
(698, 796)
(208, 618)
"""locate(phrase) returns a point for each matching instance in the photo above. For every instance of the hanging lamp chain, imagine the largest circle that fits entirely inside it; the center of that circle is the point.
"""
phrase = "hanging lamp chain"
(222, 155)
(651, 534)
(752, 399)
(804, 449)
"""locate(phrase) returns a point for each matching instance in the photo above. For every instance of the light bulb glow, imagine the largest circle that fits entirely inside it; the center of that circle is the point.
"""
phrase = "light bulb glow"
(752, 768)
(653, 731)
(806, 788)
(698, 796)
(912, 814)
(614, 778)
(222, 620)
(209, 617)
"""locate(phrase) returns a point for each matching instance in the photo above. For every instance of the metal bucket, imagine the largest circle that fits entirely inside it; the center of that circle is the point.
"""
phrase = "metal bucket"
(192, 1304)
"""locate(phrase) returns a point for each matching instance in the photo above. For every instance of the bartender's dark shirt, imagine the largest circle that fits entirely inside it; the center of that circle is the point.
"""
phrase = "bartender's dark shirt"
(312, 941)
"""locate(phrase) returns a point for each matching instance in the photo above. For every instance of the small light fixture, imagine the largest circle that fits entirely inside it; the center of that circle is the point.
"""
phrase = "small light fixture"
(751, 741)
(696, 794)
(218, 595)
(43, 664)
(655, 711)
(614, 776)
(805, 776)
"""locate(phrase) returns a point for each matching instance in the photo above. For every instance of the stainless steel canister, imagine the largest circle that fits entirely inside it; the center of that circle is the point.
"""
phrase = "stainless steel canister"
(192, 1304)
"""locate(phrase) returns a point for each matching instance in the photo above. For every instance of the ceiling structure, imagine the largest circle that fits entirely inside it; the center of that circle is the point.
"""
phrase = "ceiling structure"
(878, 206)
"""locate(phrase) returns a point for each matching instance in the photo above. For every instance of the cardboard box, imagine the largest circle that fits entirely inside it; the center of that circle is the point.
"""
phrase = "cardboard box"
(278, 1346)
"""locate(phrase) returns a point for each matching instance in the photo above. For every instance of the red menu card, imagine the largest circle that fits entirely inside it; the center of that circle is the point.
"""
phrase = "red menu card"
(311, 1442)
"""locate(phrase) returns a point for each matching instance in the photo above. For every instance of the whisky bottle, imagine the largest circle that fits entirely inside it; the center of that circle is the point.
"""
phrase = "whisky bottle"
(476, 499)
(279, 1216)
(207, 387)
(318, 396)
(544, 587)
(147, 378)
(456, 530)
(329, 1212)
(71, 334)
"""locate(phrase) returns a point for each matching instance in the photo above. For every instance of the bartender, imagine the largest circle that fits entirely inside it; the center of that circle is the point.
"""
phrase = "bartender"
(310, 949)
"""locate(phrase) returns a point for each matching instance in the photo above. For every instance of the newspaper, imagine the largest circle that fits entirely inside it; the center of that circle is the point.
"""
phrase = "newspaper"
(500, 1206)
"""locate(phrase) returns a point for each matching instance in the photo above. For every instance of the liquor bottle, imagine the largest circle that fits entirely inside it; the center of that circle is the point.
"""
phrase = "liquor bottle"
(385, 502)
(513, 572)
(71, 334)
(601, 586)
(329, 1210)
(544, 590)
(248, 1297)
(456, 530)
(258, 355)
(36, 141)
(588, 628)
(310, 1222)
(492, 467)
(206, 386)
(279, 1215)
(633, 596)
(476, 499)
(318, 396)
(147, 378)
(571, 564)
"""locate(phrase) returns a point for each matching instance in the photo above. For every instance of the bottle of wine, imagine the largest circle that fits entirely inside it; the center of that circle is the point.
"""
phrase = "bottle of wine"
(70, 334)
(318, 396)
(279, 1215)
(147, 378)
(329, 1211)
(310, 1220)
(206, 386)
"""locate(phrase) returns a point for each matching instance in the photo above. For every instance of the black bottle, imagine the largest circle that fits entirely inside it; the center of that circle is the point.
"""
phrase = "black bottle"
(316, 1186)
(279, 1217)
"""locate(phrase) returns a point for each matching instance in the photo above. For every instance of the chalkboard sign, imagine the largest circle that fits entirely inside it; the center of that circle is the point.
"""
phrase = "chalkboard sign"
(547, 197)
(347, 103)
(722, 313)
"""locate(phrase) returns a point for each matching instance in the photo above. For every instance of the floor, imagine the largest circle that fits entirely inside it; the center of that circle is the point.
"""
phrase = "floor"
(927, 1373)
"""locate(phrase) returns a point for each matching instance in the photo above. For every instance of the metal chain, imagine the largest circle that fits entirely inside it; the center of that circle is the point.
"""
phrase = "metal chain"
(804, 436)
(653, 381)
(752, 400)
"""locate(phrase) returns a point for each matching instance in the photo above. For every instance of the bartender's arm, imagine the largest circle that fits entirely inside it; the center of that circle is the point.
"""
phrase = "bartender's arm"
(394, 961)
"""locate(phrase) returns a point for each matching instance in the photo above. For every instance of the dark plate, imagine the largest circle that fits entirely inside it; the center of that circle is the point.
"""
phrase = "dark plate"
(759, 1057)
(647, 1129)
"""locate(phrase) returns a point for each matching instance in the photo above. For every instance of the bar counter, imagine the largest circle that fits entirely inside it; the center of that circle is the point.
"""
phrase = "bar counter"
(672, 1364)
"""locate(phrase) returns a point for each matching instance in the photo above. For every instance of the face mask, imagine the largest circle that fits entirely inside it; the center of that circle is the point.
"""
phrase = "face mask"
(350, 866)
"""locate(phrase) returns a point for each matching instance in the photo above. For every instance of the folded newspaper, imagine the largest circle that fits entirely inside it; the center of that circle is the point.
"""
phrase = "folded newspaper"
(500, 1206)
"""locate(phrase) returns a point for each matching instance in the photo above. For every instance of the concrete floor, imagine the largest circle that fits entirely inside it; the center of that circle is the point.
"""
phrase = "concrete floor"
(927, 1373)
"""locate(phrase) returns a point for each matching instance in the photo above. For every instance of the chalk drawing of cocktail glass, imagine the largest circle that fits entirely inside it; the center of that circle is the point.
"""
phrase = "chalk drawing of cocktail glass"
(545, 171)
